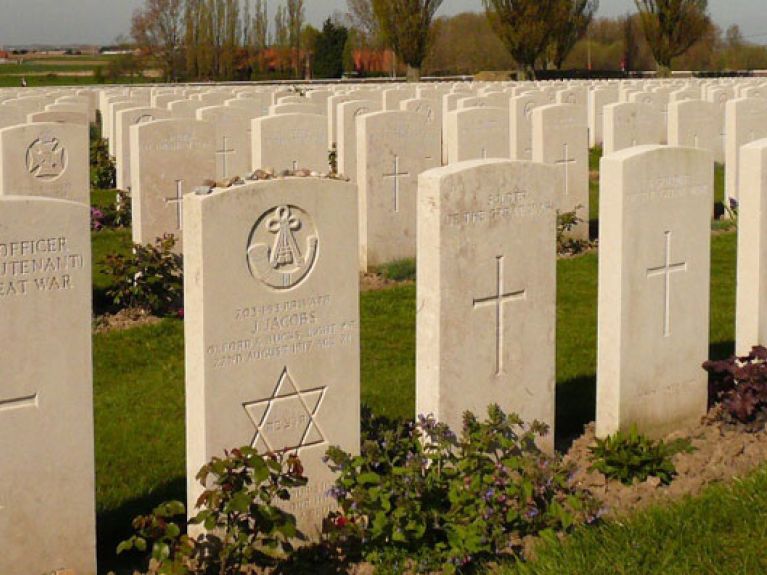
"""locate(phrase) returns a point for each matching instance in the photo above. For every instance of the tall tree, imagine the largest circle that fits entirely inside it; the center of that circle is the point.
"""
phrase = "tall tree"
(672, 27)
(281, 34)
(328, 59)
(295, 25)
(406, 27)
(159, 28)
(260, 25)
(571, 22)
(525, 26)
(630, 44)
(361, 16)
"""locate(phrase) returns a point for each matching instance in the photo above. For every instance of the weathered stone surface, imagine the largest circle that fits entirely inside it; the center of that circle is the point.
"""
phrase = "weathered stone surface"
(751, 314)
(393, 148)
(47, 501)
(169, 159)
(48, 160)
(272, 328)
(654, 271)
(487, 278)
(290, 142)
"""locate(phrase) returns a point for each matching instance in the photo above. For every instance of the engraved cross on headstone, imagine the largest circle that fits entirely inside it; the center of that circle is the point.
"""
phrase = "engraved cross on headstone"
(665, 271)
(396, 176)
(19, 402)
(497, 302)
(178, 199)
(224, 153)
(566, 161)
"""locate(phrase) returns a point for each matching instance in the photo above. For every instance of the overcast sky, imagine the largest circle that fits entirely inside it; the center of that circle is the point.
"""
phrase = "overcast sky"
(101, 21)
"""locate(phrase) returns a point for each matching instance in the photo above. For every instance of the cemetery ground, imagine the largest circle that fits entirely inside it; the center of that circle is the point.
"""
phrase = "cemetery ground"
(139, 419)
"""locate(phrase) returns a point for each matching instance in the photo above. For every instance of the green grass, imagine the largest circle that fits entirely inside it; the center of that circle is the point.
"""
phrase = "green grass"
(139, 374)
(721, 532)
(139, 420)
(139, 379)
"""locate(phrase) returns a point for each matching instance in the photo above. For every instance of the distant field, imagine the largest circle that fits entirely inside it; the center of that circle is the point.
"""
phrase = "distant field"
(41, 70)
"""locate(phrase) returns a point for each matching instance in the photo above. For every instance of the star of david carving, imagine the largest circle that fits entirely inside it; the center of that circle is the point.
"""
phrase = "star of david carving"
(286, 421)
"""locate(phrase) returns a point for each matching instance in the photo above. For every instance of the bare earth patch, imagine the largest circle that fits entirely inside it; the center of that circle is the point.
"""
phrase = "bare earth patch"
(124, 319)
(722, 451)
(374, 282)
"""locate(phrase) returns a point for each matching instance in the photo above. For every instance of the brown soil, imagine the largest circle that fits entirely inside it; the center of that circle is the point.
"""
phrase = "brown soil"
(124, 319)
(722, 451)
(374, 281)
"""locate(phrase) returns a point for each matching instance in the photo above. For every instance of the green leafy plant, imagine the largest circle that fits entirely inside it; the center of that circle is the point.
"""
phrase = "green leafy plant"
(244, 527)
(566, 222)
(630, 457)
(103, 171)
(399, 270)
(420, 492)
(114, 216)
(151, 278)
(740, 384)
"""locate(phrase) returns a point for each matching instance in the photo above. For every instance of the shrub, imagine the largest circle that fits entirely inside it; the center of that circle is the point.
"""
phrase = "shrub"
(116, 215)
(244, 528)
(103, 171)
(566, 222)
(631, 456)
(151, 278)
(740, 384)
(444, 502)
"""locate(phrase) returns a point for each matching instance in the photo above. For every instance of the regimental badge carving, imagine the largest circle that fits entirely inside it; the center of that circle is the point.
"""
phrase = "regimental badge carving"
(287, 420)
(46, 158)
(282, 248)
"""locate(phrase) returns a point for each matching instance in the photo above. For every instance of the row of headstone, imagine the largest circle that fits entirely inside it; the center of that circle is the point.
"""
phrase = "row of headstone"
(484, 232)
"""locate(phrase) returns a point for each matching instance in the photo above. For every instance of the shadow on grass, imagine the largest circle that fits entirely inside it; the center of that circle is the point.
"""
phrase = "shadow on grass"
(575, 407)
(114, 526)
(594, 230)
(577, 400)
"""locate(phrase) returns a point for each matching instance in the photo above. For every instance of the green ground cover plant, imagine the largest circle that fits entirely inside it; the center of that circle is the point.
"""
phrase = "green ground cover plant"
(632, 457)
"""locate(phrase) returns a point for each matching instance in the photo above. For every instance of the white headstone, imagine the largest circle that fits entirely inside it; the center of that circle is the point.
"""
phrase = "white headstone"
(169, 159)
(47, 499)
(478, 134)
(393, 148)
(234, 136)
(123, 122)
(290, 142)
(654, 273)
(696, 124)
(751, 315)
(487, 277)
(746, 121)
(560, 137)
(272, 328)
(348, 112)
(627, 125)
